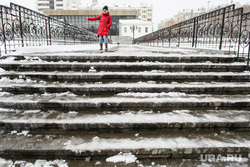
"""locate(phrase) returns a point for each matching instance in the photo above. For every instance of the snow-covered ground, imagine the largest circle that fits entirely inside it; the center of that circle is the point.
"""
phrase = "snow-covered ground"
(124, 50)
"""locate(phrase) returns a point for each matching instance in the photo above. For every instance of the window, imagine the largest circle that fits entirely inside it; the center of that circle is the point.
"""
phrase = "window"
(146, 29)
(139, 29)
(125, 30)
(59, 5)
(43, 4)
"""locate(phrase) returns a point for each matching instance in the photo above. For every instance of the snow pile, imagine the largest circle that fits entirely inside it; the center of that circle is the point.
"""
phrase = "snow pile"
(122, 157)
(24, 132)
(38, 163)
(92, 69)
(4, 162)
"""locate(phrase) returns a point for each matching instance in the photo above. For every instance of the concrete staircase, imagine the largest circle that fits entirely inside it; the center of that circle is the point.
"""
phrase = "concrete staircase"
(84, 107)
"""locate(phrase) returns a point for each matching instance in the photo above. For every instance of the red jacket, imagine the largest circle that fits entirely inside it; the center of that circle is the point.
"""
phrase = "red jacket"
(105, 23)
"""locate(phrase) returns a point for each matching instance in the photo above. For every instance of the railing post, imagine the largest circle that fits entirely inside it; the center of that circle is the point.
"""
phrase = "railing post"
(194, 32)
(169, 37)
(238, 52)
(21, 25)
(222, 28)
(46, 28)
(4, 39)
(248, 57)
(49, 31)
(179, 36)
(64, 34)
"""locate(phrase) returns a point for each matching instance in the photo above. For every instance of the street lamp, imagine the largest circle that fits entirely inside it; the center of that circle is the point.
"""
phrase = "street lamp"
(208, 5)
(133, 28)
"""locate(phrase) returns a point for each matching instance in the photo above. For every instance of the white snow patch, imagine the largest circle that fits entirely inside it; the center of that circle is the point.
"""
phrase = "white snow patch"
(122, 157)
(2, 70)
(6, 163)
(13, 132)
(163, 94)
(32, 111)
(38, 163)
(92, 70)
(24, 132)
(154, 143)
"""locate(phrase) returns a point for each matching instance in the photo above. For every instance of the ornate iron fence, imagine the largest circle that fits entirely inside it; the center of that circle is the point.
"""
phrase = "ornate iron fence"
(20, 26)
(223, 29)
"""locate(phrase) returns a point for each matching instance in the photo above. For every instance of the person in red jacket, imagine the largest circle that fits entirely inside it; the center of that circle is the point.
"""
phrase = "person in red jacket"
(104, 26)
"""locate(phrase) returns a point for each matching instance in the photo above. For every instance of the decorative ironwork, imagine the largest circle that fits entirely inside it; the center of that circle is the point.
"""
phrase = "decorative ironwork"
(224, 29)
(20, 26)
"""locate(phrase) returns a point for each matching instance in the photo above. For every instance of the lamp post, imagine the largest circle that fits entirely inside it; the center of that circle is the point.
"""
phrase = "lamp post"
(133, 28)
(208, 5)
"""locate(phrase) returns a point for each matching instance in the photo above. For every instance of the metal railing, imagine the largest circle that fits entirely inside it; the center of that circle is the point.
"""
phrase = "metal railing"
(223, 29)
(20, 26)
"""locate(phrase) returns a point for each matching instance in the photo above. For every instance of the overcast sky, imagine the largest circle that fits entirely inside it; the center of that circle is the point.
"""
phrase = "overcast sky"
(162, 9)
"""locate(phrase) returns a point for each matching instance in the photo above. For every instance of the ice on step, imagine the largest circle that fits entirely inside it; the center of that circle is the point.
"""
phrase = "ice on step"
(122, 157)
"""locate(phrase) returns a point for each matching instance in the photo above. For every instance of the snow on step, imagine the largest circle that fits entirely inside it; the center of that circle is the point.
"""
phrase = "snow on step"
(7, 82)
(142, 73)
(182, 145)
(176, 116)
(133, 97)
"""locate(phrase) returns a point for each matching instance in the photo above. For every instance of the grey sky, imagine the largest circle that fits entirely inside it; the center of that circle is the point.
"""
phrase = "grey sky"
(162, 9)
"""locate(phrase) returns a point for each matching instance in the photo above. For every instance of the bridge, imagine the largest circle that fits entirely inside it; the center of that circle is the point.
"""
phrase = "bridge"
(137, 105)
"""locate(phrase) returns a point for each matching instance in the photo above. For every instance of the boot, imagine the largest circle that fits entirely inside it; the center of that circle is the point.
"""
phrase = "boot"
(100, 47)
(106, 47)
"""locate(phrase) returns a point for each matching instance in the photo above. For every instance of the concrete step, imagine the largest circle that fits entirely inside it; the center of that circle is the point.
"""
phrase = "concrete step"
(124, 77)
(54, 122)
(128, 67)
(27, 86)
(142, 145)
(125, 158)
(177, 58)
(124, 101)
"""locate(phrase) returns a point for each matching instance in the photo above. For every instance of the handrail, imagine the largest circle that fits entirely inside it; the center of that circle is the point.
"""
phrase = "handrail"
(20, 27)
(226, 29)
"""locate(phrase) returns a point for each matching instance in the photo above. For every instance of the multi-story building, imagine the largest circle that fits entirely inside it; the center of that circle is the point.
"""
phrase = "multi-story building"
(43, 5)
(145, 12)
(134, 28)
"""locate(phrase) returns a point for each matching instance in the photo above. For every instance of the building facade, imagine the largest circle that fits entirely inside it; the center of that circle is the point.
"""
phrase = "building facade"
(79, 18)
(145, 11)
(76, 14)
(134, 28)
(42, 5)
